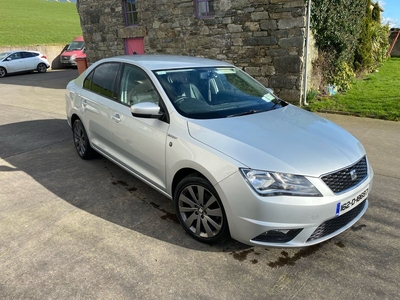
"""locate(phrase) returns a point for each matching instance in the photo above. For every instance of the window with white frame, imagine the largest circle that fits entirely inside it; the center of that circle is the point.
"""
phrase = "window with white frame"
(204, 8)
(130, 12)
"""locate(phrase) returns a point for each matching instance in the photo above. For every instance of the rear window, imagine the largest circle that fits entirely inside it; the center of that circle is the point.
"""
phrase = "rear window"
(102, 80)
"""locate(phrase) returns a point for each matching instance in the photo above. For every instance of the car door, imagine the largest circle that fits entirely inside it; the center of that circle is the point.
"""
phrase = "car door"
(97, 97)
(30, 60)
(14, 63)
(140, 142)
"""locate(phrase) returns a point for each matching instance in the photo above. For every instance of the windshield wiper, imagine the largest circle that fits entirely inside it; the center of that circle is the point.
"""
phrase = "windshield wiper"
(249, 112)
(254, 111)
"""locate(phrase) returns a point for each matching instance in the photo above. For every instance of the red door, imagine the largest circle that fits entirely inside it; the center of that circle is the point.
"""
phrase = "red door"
(134, 46)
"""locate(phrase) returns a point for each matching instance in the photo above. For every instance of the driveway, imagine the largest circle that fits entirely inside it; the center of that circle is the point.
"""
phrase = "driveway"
(87, 229)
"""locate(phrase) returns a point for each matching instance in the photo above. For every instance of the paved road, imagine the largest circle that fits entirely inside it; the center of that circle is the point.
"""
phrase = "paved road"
(86, 229)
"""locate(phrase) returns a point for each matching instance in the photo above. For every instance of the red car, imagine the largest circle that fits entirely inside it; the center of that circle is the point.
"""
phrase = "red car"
(74, 50)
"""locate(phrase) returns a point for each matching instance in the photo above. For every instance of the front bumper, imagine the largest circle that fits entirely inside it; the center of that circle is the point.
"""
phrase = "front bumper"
(67, 61)
(288, 221)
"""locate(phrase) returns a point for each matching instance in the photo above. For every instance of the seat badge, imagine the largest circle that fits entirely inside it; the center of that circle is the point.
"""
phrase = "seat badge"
(353, 175)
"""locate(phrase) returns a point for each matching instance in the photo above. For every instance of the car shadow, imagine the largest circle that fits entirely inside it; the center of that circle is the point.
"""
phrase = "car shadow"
(44, 150)
(52, 79)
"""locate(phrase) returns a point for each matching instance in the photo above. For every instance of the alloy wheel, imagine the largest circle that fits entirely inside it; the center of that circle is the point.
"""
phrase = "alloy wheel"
(42, 68)
(80, 138)
(200, 211)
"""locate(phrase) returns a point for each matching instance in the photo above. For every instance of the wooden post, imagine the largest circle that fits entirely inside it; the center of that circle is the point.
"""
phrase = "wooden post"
(393, 43)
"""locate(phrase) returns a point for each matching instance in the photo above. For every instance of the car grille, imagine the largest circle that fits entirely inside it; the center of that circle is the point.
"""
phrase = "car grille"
(342, 180)
(334, 224)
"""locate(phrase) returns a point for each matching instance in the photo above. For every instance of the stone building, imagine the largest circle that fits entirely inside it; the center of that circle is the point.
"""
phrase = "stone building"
(266, 38)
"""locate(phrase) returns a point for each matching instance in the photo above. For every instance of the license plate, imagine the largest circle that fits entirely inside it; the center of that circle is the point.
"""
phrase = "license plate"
(347, 205)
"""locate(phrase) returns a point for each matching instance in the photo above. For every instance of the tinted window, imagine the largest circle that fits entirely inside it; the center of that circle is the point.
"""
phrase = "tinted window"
(87, 83)
(103, 80)
(27, 54)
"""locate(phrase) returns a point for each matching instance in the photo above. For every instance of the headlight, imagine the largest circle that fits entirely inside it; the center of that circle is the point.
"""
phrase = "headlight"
(274, 184)
(73, 57)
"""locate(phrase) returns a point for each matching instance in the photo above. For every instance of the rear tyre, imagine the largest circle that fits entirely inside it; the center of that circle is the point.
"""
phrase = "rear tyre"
(3, 72)
(200, 210)
(81, 140)
(42, 68)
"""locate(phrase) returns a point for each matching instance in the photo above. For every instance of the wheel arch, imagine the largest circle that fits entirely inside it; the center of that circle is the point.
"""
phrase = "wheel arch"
(182, 173)
(73, 118)
(190, 172)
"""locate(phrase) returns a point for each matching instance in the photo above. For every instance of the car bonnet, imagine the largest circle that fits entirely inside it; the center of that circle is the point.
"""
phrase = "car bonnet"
(289, 140)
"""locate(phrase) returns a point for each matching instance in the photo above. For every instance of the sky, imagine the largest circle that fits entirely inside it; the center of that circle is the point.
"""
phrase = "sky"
(391, 13)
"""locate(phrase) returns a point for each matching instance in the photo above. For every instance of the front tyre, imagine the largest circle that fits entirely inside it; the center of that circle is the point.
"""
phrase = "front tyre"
(81, 140)
(41, 68)
(200, 211)
(3, 72)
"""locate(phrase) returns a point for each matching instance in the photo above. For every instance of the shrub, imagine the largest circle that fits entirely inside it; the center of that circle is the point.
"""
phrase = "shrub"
(343, 78)
(380, 44)
(349, 37)
(337, 26)
(363, 54)
(312, 95)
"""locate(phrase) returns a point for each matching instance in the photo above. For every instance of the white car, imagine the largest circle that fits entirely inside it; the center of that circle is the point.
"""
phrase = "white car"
(22, 61)
(234, 158)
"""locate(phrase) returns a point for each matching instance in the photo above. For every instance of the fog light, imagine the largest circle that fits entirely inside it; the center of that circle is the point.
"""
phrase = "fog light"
(278, 235)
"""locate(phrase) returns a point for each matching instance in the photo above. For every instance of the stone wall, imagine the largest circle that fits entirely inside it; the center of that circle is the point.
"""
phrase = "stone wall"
(264, 37)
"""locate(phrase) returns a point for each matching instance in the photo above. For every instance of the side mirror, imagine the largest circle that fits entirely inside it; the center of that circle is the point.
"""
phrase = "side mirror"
(8, 58)
(146, 110)
(271, 91)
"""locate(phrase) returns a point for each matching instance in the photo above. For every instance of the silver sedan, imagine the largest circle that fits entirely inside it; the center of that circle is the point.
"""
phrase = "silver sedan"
(234, 158)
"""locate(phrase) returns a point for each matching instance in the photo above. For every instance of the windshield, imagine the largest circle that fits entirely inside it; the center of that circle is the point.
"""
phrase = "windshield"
(216, 92)
(76, 46)
(4, 55)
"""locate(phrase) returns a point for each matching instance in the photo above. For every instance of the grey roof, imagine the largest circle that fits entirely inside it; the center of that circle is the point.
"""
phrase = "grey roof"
(159, 62)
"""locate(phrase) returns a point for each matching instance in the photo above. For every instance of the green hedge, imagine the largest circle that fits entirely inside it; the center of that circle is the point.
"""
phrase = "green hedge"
(350, 39)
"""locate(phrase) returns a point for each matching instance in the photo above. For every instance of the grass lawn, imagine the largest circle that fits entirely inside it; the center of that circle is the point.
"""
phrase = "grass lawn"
(376, 95)
(38, 22)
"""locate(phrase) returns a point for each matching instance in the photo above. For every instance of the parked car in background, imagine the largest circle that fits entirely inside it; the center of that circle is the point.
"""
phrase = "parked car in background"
(21, 61)
(234, 158)
(76, 49)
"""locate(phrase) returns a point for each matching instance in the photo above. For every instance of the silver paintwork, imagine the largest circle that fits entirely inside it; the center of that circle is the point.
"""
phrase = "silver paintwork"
(288, 140)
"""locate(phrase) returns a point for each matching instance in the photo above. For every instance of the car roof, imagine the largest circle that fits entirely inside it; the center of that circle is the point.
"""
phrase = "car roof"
(14, 51)
(163, 61)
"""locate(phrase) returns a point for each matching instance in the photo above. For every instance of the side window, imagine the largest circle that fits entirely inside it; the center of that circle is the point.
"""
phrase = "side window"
(87, 83)
(204, 8)
(137, 87)
(16, 55)
(130, 12)
(103, 80)
(27, 54)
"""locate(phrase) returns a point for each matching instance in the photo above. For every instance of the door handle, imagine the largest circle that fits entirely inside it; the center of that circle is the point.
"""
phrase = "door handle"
(84, 102)
(116, 118)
